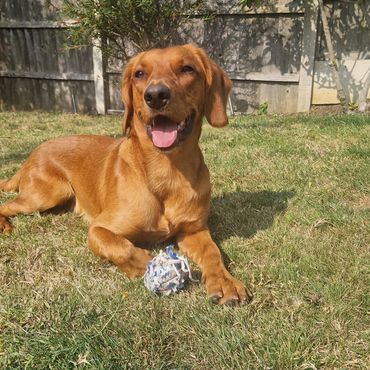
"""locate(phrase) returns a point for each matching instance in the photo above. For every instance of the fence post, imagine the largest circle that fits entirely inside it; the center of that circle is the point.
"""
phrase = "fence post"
(99, 77)
(306, 70)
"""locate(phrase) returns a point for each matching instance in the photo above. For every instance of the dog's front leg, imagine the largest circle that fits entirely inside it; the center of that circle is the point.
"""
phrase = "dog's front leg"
(131, 260)
(221, 286)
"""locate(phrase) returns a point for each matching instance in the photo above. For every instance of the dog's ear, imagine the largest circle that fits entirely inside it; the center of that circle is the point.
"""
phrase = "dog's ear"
(218, 86)
(126, 91)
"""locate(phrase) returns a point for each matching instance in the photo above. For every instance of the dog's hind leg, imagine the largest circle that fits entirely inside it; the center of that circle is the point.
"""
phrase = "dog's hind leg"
(8, 185)
(37, 195)
(12, 184)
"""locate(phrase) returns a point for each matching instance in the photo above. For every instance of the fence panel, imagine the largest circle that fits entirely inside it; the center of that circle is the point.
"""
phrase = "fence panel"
(37, 71)
(273, 54)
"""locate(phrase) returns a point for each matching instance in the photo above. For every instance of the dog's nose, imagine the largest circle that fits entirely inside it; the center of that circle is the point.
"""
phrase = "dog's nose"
(157, 96)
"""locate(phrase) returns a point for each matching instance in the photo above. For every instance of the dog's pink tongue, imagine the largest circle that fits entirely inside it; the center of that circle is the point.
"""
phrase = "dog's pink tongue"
(164, 133)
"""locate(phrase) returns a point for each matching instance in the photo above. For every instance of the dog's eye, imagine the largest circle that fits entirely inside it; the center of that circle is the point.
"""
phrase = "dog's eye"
(186, 69)
(139, 74)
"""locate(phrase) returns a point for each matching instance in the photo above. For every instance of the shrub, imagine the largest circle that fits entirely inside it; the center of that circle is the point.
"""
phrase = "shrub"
(127, 26)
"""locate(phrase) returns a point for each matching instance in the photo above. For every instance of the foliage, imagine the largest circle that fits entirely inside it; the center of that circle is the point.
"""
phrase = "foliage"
(128, 26)
(352, 106)
(263, 108)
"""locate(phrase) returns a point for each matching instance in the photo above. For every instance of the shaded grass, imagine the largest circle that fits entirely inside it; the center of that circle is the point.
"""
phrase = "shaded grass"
(291, 212)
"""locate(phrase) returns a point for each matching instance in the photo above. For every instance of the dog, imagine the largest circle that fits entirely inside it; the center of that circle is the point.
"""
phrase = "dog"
(152, 184)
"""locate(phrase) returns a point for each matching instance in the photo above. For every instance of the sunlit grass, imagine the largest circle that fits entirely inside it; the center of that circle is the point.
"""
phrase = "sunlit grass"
(291, 212)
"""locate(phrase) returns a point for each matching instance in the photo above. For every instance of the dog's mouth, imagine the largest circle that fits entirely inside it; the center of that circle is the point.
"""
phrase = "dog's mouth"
(166, 133)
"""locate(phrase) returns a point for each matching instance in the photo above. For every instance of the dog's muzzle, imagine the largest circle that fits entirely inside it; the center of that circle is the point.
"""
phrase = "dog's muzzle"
(167, 134)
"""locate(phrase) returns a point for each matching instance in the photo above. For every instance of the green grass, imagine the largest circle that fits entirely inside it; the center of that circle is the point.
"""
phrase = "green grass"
(291, 212)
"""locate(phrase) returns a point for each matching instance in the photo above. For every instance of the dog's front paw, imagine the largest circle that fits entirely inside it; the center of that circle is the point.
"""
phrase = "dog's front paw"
(135, 266)
(224, 289)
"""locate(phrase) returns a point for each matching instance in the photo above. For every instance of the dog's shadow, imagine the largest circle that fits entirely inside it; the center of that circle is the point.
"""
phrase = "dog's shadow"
(244, 213)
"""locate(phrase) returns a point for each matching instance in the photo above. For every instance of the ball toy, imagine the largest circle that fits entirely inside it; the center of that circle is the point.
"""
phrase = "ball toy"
(167, 272)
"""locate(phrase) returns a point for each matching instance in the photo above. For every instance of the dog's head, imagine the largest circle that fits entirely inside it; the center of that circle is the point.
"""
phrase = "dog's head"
(168, 91)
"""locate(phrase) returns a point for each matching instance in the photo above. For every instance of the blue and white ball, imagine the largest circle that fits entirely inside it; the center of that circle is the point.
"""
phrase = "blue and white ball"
(167, 273)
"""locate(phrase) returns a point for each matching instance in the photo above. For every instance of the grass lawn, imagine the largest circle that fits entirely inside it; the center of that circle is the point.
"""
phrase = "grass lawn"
(291, 212)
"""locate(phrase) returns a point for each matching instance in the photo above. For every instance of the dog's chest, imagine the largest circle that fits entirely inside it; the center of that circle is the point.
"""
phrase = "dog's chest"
(174, 218)
(173, 205)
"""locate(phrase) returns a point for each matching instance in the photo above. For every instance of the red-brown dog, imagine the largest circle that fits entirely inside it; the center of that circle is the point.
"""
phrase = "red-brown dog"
(151, 185)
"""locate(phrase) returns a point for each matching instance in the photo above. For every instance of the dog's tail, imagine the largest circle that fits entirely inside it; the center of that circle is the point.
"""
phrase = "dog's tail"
(11, 184)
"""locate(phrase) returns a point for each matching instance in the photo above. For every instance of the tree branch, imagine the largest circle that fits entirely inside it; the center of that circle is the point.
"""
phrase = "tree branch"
(333, 63)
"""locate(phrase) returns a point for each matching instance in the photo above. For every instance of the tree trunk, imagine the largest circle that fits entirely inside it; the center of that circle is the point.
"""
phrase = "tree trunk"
(362, 105)
(341, 94)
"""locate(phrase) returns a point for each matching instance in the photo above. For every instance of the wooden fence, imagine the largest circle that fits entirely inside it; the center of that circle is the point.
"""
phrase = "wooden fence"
(273, 54)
